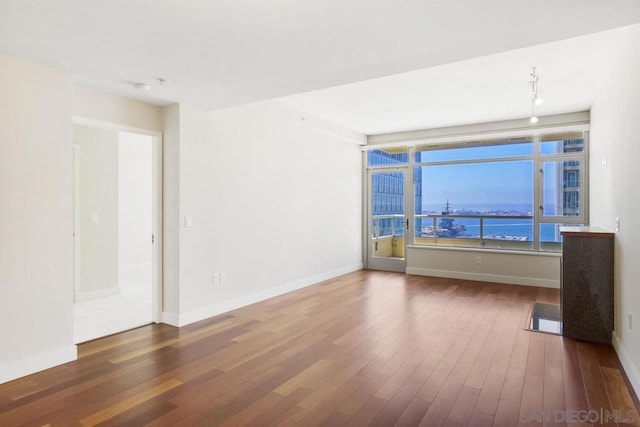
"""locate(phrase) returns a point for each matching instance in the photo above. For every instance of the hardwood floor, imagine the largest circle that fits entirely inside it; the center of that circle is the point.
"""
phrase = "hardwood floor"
(367, 348)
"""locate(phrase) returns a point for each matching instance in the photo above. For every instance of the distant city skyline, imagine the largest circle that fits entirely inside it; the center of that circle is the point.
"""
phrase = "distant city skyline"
(523, 208)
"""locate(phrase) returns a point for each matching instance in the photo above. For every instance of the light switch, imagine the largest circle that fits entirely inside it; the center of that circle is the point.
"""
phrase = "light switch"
(604, 163)
(94, 218)
(188, 221)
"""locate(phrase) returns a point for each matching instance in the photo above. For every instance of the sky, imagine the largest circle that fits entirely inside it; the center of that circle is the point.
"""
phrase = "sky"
(494, 184)
(479, 184)
(475, 185)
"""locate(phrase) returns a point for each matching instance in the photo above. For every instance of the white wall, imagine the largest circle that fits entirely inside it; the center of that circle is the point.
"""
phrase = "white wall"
(93, 104)
(275, 205)
(171, 224)
(614, 191)
(36, 226)
(134, 202)
(98, 213)
(37, 104)
(519, 268)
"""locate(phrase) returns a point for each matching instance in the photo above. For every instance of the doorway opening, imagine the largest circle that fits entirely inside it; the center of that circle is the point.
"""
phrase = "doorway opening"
(116, 235)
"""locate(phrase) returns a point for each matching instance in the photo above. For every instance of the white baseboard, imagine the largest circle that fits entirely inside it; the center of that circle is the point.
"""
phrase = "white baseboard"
(170, 318)
(40, 362)
(100, 293)
(216, 309)
(627, 364)
(494, 278)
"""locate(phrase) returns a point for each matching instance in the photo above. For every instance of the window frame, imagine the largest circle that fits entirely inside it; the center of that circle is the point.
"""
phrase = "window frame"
(536, 157)
(583, 192)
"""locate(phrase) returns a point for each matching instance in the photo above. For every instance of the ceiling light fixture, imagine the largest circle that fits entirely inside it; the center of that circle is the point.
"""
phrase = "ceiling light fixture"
(141, 87)
(535, 99)
(147, 87)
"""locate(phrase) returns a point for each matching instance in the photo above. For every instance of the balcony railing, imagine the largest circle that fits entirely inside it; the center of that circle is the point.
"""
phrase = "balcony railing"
(507, 232)
(390, 225)
(444, 228)
(388, 235)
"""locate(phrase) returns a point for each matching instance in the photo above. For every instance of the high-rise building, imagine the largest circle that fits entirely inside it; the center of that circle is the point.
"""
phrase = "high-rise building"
(567, 176)
(387, 188)
(571, 178)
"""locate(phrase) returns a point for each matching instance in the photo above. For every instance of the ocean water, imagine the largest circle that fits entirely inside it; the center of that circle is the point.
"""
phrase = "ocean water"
(506, 227)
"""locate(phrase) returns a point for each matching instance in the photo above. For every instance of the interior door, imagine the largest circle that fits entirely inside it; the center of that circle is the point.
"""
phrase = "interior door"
(388, 226)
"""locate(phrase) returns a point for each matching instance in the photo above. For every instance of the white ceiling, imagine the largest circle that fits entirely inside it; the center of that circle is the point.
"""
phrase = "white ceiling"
(489, 88)
(216, 54)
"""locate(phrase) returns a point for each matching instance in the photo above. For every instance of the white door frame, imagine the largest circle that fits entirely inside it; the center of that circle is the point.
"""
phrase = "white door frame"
(156, 226)
(381, 263)
(76, 220)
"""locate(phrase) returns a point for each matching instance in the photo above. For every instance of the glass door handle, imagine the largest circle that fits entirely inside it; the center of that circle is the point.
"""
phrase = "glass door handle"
(407, 223)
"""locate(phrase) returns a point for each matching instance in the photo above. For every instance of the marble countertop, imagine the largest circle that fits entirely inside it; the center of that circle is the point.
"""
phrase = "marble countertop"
(586, 231)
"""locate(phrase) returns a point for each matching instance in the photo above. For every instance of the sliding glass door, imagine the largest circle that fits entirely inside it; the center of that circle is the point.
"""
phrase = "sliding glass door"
(388, 225)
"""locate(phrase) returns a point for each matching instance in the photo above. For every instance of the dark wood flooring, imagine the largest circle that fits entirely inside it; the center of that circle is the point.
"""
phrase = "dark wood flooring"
(367, 348)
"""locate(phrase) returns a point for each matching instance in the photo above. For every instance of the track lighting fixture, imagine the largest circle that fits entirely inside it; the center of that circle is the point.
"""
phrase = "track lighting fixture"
(535, 99)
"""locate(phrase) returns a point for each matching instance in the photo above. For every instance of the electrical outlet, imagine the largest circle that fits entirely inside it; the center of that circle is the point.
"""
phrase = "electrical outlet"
(630, 316)
(223, 277)
(478, 260)
(618, 225)
(216, 279)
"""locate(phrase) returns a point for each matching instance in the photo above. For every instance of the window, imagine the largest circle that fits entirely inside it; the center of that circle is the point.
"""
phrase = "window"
(387, 157)
(510, 193)
(475, 150)
(561, 188)
(477, 194)
(387, 203)
(562, 143)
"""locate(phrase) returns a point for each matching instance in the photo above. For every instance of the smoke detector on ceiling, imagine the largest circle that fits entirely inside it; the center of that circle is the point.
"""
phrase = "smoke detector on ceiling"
(145, 87)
